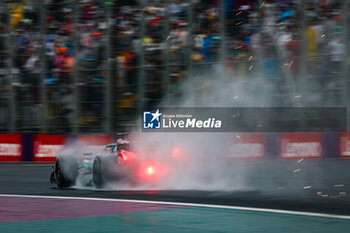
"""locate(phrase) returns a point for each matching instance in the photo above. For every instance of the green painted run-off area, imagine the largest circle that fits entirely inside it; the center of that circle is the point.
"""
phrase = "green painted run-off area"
(194, 219)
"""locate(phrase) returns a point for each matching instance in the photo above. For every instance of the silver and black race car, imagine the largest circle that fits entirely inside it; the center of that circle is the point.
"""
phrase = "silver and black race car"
(116, 162)
(109, 163)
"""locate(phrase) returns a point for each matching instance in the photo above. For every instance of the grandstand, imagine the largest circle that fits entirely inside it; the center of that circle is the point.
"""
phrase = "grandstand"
(91, 66)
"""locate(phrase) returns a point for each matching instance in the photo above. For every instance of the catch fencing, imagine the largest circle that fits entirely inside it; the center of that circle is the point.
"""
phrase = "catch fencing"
(90, 67)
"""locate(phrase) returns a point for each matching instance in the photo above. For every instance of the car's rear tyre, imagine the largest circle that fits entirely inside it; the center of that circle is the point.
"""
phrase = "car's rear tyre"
(65, 171)
(97, 173)
(62, 179)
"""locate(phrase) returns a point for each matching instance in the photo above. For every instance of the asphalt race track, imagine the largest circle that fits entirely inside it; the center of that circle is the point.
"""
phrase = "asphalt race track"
(33, 179)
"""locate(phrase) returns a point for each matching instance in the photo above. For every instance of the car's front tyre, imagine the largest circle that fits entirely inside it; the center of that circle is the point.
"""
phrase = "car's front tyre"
(97, 172)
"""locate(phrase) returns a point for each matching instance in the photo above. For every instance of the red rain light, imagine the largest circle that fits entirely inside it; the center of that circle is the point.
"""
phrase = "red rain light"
(127, 156)
(150, 170)
(123, 154)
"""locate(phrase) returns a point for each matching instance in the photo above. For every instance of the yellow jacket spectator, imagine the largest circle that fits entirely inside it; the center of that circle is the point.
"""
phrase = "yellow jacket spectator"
(17, 10)
(311, 44)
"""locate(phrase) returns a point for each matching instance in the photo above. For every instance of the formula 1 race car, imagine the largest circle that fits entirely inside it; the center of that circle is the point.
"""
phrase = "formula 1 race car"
(116, 162)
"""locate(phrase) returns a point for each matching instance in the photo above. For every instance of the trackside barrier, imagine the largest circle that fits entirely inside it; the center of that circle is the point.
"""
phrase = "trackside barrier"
(344, 145)
(252, 146)
(301, 145)
(11, 147)
(48, 147)
(247, 146)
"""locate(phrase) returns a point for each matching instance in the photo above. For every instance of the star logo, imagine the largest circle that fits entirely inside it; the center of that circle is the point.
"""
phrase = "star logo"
(156, 115)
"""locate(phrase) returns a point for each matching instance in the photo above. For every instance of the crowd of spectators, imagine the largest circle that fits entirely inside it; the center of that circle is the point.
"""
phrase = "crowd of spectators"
(282, 31)
(53, 45)
(150, 48)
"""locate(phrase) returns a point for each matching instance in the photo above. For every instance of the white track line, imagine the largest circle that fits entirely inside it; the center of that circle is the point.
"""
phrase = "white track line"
(191, 205)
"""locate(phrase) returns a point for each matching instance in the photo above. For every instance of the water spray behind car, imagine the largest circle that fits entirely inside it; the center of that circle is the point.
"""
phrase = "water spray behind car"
(198, 160)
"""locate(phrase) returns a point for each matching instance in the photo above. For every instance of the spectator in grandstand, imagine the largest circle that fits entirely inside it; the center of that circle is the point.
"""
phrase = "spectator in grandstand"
(337, 49)
(130, 63)
(293, 52)
(176, 10)
(312, 47)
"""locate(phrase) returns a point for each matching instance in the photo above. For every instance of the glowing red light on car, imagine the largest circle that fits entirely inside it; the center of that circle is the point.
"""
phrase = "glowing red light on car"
(127, 156)
(123, 155)
(150, 171)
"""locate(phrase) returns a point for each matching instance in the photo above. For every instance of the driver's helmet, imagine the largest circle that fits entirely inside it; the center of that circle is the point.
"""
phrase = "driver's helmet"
(121, 141)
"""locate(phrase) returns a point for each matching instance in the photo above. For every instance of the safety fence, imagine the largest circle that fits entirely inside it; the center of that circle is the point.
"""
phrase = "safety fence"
(91, 66)
(252, 146)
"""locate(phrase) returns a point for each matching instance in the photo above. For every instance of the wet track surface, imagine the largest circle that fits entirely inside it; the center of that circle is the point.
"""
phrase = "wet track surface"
(33, 179)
